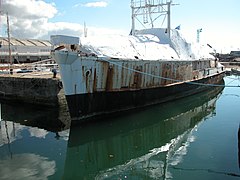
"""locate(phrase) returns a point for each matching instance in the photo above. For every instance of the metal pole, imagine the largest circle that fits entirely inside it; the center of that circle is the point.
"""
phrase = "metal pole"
(169, 18)
(198, 34)
(133, 18)
(9, 45)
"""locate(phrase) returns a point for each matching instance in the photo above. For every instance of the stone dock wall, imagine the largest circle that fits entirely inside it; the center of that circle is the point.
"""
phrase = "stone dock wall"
(39, 90)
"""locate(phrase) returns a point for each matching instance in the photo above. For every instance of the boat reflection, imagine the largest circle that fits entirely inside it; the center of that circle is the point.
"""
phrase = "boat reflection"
(140, 145)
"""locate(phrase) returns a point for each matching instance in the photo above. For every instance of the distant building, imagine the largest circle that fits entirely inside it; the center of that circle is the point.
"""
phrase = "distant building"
(232, 56)
(62, 39)
(235, 54)
(24, 50)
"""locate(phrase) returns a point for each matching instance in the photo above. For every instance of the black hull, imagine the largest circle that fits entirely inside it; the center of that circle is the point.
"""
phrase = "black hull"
(235, 71)
(98, 104)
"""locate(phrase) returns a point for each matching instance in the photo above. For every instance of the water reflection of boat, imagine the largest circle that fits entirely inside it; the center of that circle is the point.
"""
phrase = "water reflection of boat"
(137, 145)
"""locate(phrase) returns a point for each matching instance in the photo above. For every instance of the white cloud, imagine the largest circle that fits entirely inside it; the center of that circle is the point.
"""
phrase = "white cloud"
(64, 28)
(96, 4)
(36, 132)
(30, 19)
(29, 9)
(27, 166)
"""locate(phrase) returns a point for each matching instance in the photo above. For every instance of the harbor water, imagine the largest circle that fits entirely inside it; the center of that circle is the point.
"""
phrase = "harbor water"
(192, 138)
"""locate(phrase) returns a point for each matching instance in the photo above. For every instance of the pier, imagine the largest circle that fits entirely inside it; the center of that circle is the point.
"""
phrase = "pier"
(38, 88)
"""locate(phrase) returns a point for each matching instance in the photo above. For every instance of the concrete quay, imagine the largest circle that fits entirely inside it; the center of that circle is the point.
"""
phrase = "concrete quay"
(38, 88)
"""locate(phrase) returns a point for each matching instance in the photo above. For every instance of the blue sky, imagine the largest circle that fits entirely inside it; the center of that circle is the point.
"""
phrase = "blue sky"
(219, 19)
(117, 13)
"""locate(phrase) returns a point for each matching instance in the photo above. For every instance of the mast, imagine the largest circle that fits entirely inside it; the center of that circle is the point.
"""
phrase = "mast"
(169, 18)
(151, 10)
(9, 43)
(85, 29)
(133, 18)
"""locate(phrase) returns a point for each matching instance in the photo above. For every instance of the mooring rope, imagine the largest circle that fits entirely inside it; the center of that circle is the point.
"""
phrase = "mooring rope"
(165, 78)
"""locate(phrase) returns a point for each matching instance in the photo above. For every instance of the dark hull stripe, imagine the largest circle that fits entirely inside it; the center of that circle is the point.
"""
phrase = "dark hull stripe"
(85, 106)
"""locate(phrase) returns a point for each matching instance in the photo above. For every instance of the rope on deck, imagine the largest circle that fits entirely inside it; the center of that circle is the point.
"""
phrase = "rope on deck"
(165, 78)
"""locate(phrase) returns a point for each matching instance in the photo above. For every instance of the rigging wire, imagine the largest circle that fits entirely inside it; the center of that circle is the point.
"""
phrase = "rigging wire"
(165, 78)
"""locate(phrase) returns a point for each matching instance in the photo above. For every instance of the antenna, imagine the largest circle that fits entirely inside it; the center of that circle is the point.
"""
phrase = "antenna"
(198, 34)
(85, 30)
(150, 10)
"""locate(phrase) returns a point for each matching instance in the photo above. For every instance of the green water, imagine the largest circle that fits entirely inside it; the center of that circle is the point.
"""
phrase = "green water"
(192, 138)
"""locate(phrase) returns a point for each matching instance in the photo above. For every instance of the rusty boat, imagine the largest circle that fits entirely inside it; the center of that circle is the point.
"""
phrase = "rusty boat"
(96, 85)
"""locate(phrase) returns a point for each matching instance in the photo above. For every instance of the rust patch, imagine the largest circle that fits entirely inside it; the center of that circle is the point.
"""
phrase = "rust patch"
(88, 80)
(195, 74)
(165, 73)
(137, 78)
(110, 74)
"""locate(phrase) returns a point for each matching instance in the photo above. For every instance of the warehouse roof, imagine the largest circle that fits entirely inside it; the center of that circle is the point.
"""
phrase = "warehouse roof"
(24, 42)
